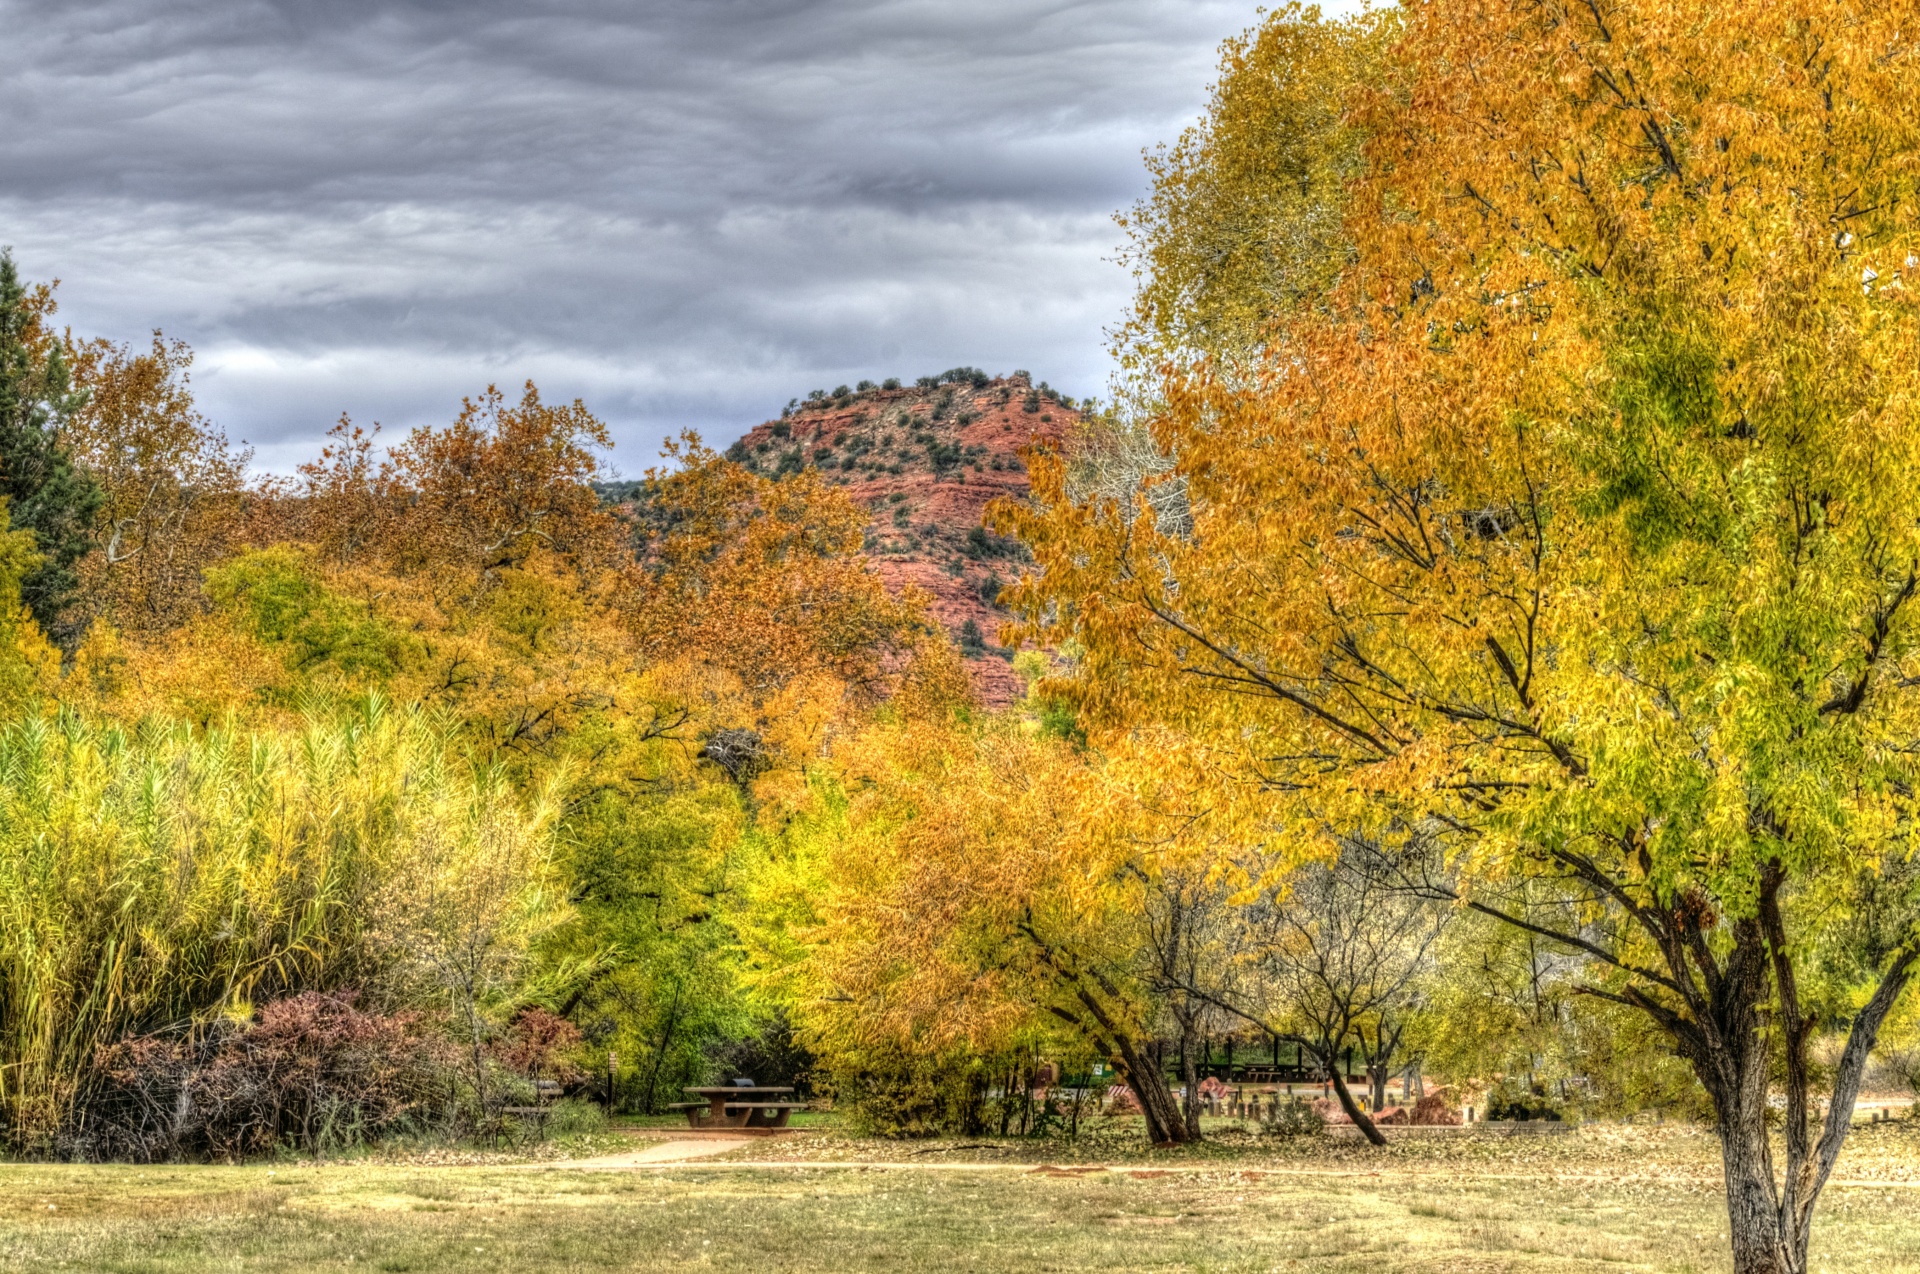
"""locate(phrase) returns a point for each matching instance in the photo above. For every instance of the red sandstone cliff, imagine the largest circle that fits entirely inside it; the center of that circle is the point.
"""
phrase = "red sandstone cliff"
(926, 459)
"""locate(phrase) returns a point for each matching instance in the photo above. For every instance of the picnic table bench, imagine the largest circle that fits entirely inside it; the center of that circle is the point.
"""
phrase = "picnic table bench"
(546, 1091)
(738, 1106)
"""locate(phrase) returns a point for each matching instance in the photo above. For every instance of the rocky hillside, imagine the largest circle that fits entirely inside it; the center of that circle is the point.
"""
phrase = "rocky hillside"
(926, 458)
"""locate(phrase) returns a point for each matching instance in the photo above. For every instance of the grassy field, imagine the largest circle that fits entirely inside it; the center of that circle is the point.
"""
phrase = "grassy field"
(1610, 1200)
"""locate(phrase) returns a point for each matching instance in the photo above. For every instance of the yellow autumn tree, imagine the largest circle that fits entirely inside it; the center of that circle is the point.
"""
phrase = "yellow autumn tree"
(961, 883)
(1574, 528)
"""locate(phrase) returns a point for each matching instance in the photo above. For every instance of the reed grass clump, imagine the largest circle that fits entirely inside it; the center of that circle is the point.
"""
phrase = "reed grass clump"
(155, 879)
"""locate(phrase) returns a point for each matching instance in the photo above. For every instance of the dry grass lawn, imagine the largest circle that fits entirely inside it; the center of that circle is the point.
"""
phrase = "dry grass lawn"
(1596, 1200)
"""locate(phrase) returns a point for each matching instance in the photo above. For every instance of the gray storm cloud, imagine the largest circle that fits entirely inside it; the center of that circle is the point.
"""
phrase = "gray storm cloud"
(684, 212)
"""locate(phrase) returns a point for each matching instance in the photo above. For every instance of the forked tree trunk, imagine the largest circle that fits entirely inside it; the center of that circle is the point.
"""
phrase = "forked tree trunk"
(1719, 1026)
(1769, 1215)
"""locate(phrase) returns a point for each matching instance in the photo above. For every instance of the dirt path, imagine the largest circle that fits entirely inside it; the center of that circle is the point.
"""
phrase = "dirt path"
(666, 1153)
(688, 1154)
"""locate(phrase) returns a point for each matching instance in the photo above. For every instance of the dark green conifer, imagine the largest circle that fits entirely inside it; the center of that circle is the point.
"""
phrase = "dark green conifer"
(45, 492)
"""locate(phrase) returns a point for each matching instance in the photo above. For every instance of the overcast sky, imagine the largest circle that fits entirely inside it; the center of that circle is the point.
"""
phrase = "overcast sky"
(684, 211)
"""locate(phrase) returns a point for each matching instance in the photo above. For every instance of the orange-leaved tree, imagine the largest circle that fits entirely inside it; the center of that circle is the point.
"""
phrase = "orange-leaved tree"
(1576, 528)
(763, 576)
(173, 487)
(503, 481)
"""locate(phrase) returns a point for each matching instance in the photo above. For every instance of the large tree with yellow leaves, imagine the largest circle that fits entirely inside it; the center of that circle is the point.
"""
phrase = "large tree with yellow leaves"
(1575, 527)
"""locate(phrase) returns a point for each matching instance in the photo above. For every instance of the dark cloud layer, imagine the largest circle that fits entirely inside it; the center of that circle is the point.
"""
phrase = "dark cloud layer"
(685, 211)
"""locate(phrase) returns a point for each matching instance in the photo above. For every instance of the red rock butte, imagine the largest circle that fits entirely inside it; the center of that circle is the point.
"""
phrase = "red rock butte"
(925, 459)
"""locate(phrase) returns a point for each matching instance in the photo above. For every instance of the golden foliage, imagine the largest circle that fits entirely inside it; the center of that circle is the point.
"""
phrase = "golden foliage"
(1615, 399)
(503, 481)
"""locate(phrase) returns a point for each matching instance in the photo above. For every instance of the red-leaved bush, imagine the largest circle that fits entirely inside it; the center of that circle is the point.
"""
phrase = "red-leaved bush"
(312, 1072)
(541, 1045)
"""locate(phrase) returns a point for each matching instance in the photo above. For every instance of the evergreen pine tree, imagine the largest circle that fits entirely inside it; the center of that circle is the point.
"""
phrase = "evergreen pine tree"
(45, 493)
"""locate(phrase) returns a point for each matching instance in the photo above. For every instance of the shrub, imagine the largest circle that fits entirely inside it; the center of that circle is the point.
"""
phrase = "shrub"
(863, 387)
(984, 545)
(943, 456)
(772, 1055)
(1294, 1117)
(1507, 1103)
(572, 1117)
(219, 869)
(891, 1093)
(313, 1073)
(891, 382)
(972, 644)
(781, 429)
(276, 595)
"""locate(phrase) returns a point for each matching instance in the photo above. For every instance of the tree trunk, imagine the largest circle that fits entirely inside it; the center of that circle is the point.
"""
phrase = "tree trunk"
(1733, 1069)
(1352, 1107)
(472, 1006)
(1189, 1072)
(1148, 1083)
(659, 1055)
(1769, 1217)
(1714, 1009)
(1134, 1065)
(1189, 1077)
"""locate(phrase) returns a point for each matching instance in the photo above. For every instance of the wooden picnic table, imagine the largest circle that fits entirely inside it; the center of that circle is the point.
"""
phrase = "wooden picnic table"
(533, 1115)
(738, 1106)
